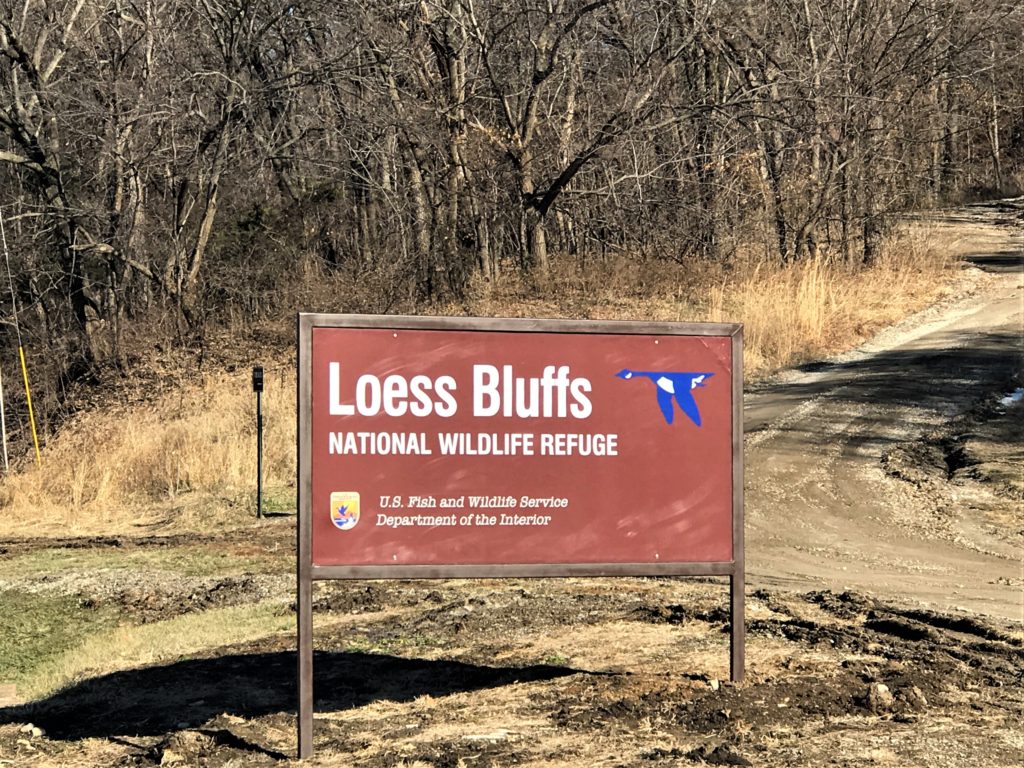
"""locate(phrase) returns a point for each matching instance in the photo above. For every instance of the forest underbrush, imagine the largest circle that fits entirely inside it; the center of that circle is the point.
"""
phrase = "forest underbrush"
(183, 457)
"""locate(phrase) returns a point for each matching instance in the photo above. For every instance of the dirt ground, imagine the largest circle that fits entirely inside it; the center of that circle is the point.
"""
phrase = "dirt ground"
(884, 607)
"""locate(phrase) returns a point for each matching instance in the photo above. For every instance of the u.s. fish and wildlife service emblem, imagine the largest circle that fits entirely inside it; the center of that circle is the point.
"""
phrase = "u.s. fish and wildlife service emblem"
(344, 509)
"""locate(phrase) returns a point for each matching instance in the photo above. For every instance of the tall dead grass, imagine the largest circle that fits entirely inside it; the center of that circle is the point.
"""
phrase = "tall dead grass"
(807, 309)
(791, 312)
(188, 460)
(164, 461)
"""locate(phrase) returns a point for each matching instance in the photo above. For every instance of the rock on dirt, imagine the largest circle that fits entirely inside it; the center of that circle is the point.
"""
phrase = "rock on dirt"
(720, 755)
(185, 748)
(879, 698)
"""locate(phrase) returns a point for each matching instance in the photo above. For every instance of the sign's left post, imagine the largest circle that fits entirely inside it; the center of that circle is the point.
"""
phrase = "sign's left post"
(304, 568)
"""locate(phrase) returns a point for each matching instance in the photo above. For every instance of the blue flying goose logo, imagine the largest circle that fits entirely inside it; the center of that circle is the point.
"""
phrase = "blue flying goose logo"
(670, 385)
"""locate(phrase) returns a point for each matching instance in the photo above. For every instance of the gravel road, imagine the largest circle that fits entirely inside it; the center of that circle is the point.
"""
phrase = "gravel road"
(824, 506)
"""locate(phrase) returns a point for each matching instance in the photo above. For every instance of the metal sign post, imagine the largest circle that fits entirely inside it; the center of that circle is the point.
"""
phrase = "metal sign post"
(478, 448)
(257, 387)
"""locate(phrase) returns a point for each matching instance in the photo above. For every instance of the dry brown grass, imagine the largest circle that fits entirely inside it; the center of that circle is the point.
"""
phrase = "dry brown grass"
(811, 308)
(188, 460)
(791, 313)
(163, 461)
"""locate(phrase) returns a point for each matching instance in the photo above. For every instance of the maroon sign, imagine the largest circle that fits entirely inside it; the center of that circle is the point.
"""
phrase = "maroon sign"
(460, 447)
(436, 448)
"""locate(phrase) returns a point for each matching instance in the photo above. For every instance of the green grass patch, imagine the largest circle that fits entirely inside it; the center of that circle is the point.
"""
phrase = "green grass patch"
(556, 660)
(184, 637)
(278, 499)
(37, 629)
(395, 644)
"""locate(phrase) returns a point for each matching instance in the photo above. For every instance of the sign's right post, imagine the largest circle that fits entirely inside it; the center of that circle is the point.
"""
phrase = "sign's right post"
(737, 659)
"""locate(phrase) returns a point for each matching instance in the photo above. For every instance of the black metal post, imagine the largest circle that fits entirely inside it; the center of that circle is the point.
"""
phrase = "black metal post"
(257, 385)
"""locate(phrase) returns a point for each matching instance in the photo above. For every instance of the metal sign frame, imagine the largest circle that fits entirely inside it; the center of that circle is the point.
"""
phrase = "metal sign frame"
(307, 572)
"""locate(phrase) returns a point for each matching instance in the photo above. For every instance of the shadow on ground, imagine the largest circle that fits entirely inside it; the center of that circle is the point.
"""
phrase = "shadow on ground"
(1000, 261)
(186, 694)
(951, 368)
(950, 374)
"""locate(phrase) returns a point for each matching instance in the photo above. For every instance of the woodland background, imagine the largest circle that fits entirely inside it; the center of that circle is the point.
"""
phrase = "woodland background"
(168, 167)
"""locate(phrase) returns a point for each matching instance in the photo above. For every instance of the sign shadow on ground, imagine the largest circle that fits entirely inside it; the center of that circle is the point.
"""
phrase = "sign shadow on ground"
(153, 700)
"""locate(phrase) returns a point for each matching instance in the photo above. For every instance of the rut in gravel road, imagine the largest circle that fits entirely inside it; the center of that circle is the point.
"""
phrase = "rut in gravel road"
(822, 511)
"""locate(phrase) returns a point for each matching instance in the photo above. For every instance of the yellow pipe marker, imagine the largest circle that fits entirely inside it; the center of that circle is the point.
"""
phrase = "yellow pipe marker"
(31, 414)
